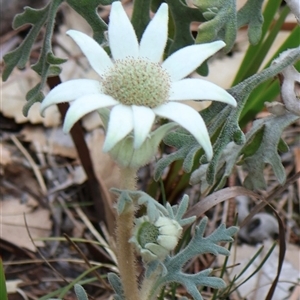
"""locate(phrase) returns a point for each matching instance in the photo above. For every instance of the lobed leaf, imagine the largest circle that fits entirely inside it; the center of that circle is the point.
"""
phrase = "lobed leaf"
(250, 14)
(221, 23)
(227, 128)
(88, 10)
(197, 245)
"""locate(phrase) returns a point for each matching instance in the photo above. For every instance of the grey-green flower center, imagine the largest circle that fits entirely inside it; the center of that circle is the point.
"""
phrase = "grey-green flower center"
(147, 233)
(137, 81)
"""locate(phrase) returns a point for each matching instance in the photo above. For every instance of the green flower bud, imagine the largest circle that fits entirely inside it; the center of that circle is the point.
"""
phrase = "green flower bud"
(155, 240)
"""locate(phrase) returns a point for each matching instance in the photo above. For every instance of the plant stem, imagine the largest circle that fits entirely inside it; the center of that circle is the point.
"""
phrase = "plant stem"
(125, 251)
(147, 286)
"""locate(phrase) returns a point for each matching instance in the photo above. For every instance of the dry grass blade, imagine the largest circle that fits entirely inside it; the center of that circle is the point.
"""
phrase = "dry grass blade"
(87, 261)
(96, 234)
(282, 249)
(210, 201)
(42, 256)
(276, 191)
(35, 168)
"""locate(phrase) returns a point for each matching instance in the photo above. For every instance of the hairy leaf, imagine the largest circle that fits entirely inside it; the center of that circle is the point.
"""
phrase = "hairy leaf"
(221, 22)
(267, 152)
(197, 245)
(48, 64)
(116, 284)
(187, 148)
(262, 144)
(250, 14)
(225, 124)
(88, 10)
(80, 292)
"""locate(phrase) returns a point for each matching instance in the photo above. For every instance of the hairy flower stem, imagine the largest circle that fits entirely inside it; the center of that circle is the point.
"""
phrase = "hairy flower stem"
(147, 286)
(125, 250)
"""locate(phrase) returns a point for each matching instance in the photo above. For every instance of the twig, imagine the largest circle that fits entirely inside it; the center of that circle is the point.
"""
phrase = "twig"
(34, 167)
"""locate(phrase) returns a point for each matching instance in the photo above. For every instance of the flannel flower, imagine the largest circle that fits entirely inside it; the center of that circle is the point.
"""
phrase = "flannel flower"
(155, 240)
(136, 84)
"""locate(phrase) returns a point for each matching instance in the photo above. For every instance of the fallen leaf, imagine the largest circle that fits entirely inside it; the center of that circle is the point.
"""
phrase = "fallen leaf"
(12, 222)
(51, 141)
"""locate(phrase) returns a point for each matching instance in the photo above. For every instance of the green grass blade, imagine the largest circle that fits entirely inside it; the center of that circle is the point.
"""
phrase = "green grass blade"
(62, 289)
(223, 270)
(76, 280)
(258, 267)
(250, 262)
(265, 47)
(253, 51)
(268, 90)
(3, 292)
(292, 41)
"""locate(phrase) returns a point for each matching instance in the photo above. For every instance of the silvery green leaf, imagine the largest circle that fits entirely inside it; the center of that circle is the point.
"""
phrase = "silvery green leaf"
(80, 292)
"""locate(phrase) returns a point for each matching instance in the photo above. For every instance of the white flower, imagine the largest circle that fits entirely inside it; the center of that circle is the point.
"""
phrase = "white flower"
(156, 240)
(136, 84)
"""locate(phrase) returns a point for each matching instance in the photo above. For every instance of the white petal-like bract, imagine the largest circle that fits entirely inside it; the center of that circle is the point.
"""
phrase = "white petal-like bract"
(189, 119)
(122, 38)
(150, 36)
(71, 90)
(96, 55)
(143, 118)
(199, 89)
(119, 125)
(85, 105)
(186, 60)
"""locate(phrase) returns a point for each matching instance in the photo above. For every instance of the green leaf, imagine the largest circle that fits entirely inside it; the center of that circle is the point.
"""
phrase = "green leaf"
(54, 60)
(283, 147)
(116, 284)
(48, 64)
(267, 151)
(183, 16)
(19, 56)
(224, 124)
(269, 89)
(187, 148)
(88, 10)
(250, 14)
(223, 25)
(198, 245)
(261, 145)
(33, 96)
(80, 292)
(241, 93)
(246, 68)
(180, 21)
(254, 143)
(3, 293)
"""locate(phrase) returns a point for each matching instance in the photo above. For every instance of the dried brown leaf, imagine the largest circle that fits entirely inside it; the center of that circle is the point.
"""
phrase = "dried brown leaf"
(13, 226)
